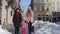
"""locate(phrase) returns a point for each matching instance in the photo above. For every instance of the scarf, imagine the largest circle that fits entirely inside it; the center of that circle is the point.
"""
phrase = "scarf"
(17, 14)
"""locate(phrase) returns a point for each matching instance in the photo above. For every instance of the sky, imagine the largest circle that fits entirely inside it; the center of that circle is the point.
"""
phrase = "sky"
(24, 4)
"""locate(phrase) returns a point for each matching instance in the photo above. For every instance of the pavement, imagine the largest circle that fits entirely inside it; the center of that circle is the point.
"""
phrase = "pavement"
(12, 29)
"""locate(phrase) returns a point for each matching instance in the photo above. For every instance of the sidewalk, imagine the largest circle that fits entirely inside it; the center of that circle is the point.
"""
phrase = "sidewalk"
(12, 29)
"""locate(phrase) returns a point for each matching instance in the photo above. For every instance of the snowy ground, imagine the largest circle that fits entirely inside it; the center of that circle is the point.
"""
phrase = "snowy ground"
(4, 31)
(42, 27)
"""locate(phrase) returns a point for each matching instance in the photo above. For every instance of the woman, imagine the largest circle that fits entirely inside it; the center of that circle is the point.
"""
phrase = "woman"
(30, 19)
(17, 18)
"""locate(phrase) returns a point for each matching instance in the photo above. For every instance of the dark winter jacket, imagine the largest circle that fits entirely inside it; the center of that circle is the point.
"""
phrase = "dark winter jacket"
(17, 20)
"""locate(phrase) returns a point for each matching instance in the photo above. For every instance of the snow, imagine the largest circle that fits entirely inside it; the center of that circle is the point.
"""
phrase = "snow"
(4, 31)
(41, 27)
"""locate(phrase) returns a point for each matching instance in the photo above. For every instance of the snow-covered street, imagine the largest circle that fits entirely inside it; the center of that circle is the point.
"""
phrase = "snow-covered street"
(42, 27)
(29, 16)
(4, 31)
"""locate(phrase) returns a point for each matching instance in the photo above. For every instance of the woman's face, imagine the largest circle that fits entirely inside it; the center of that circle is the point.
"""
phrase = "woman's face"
(17, 10)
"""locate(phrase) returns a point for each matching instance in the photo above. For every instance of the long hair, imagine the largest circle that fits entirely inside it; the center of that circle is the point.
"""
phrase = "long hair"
(29, 13)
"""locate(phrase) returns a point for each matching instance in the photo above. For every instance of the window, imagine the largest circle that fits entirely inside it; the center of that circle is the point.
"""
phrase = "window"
(47, 18)
(47, 9)
(11, 13)
(55, 14)
(0, 2)
(47, 0)
(35, 8)
(38, 8)
(42, 8)
(58, 14)
(42, 1)
(43, 18)
(42, 5)
(54, 19)
(36, 1)
(59, 19)
(39, 18)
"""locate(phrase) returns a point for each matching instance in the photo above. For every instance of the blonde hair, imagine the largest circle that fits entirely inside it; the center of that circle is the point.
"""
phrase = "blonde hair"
(29, 13)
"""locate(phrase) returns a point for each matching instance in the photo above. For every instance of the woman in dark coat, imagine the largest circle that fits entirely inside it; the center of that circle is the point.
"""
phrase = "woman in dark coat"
(17, 18)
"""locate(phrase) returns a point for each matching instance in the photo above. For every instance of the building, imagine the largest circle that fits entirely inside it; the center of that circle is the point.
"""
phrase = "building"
(7, 8)
(41, 8)
(55, 10)
(55, 5)
(45, 9)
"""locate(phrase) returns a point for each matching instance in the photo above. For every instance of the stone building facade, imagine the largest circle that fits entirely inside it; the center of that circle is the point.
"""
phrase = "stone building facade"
(7, 8)
(46, 9)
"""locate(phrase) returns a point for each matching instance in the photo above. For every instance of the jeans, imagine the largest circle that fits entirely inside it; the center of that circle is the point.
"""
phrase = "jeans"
(20, 30)
(27, 29)
(16, 30)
